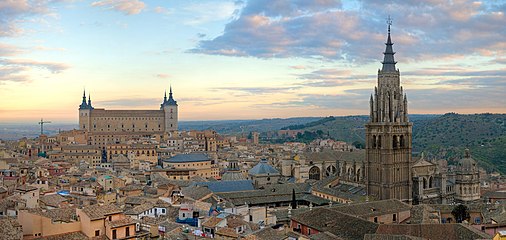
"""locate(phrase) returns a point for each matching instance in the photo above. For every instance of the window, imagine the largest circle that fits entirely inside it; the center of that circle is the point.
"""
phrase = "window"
(110, 218)
(127, 231)
(477, 220)
(163, 210)
(114, 234)
(309, 231)
(376, 219)
(394, 217)
(97, 233)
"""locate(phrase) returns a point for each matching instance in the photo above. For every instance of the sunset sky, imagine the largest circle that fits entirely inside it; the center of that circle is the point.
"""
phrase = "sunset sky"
(247, 59)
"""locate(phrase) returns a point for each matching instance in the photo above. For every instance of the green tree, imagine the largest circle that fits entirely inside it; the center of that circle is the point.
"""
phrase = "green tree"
(461, 213)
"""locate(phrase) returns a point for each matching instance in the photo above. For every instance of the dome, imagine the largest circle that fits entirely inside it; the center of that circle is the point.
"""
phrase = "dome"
(467, 164)
(263, 168)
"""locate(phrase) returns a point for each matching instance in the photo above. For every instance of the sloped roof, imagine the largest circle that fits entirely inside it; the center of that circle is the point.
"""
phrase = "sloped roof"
(339, 224)
(96, 211)
(263, 168)
(227, 186)
(190, 157)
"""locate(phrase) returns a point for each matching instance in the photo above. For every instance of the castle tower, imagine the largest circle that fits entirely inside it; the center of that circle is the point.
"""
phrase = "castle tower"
(169, 106)
(85, 113)
(388, 135)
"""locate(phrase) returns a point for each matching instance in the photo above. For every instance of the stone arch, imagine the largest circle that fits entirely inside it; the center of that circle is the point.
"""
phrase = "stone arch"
(373, 141)
(314, 173)
(379, 141)
(424, 183)
(430, 182)
(402, 141)
(358, 176)
(394, 141)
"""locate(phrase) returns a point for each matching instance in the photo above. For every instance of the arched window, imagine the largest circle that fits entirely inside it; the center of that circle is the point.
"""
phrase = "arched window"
(424, 183)
(314, 173)
(394, 141)
(402, 143)
(373, 141)
(379, 141)
(430, 182)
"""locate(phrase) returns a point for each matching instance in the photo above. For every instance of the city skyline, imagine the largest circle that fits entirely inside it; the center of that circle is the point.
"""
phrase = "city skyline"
(246, 59)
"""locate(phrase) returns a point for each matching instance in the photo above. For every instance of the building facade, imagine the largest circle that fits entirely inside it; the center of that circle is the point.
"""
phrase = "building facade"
(105, 126)
(388, 135)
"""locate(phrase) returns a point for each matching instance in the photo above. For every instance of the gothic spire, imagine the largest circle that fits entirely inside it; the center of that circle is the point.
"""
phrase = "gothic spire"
(165, 96)
(89, 100)
(83, 105)
(388, 61)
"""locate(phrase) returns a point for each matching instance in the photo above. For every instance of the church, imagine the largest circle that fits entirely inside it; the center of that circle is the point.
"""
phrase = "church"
(109, 126)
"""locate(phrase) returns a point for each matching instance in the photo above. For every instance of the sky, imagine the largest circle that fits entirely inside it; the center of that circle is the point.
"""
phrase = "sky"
(247, 59)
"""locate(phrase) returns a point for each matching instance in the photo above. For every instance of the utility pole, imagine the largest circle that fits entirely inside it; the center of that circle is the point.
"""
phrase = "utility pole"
(42, 125)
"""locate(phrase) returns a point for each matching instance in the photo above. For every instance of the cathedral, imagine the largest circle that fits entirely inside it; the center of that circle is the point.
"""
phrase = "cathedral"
(388, 135)
(108, 126)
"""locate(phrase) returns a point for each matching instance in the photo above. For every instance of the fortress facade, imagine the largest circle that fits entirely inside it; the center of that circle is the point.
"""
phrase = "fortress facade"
(111, 126)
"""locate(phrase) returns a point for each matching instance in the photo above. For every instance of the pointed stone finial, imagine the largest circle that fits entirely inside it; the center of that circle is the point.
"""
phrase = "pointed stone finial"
(466, 153)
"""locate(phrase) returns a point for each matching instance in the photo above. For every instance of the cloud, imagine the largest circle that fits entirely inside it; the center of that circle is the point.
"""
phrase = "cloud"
(162, 10)
(128, 7)
(15, 70)
(12, 11)
(309, 29)
(258, 90)
(9, 50)
(334, 77)
(162, 75)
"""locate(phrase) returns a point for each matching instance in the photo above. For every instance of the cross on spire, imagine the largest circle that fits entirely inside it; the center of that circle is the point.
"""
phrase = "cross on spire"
(389, 23)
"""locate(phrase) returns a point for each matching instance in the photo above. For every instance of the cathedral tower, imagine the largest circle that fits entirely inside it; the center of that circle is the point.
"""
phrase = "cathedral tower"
(388, 135)
(169, 106)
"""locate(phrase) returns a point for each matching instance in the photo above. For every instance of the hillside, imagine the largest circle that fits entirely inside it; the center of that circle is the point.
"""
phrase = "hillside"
(443, 136)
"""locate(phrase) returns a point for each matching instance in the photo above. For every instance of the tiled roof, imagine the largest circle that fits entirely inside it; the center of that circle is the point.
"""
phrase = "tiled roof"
(96, 211)
(229, 232)
(57, 214)
(263, 168)
(390, 237)
(66, 236)
(196, 192)
(339, 224)
(10, 229)
(433, 231)
(269, 234)
(191, 157)
(120, 223)
(227, 186)
(212, 222)
(374, 208)
(53, 200)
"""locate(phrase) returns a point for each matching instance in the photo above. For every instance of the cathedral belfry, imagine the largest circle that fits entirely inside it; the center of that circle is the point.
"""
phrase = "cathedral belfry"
(388, 135)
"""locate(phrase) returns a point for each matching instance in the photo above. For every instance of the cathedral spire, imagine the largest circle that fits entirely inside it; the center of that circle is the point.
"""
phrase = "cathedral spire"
(165, 96)
(388, 60)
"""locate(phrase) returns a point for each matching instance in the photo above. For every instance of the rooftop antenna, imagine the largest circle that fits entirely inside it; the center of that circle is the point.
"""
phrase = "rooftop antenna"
(41, 123)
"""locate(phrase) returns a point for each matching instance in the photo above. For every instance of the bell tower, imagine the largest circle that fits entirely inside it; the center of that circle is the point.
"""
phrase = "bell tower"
(388, 134)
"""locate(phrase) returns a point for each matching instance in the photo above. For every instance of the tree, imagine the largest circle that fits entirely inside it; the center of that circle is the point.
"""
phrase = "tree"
(461, 213)
(359, 144)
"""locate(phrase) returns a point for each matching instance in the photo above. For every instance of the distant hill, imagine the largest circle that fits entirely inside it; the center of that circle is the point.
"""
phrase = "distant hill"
(236, 127)
(443, 136)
